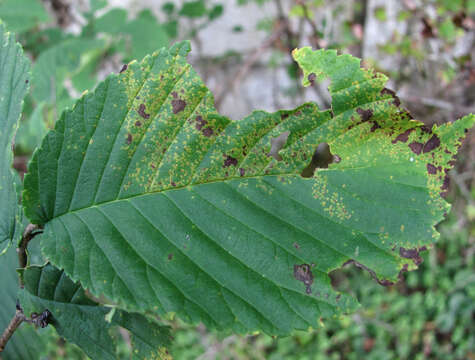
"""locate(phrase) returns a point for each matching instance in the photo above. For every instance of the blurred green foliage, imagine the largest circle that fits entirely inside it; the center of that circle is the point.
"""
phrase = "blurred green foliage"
(428, 315)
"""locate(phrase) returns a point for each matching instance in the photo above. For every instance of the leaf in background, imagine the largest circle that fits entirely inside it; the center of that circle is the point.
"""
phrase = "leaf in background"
(111, 22)
(31, 131)
(193, 9)
(144, 33)
(22, 15)
(26, 343)
(81, 321)
(152, 199)
(14, 74)
(57, 64)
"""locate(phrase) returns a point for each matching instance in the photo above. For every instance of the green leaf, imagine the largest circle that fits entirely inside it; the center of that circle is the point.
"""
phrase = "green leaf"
(22, 15)
(144, 33)
(153, 200)
(81, 321)
(58, 63)
(32, 131)
(111, 22)
(14, 74)
(26, 343)
(215, 12)
(193, 9)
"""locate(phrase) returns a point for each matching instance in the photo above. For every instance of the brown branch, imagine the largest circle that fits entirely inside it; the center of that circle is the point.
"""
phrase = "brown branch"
(16, 321)
(30, 232)
(42, 320)
(308, 18)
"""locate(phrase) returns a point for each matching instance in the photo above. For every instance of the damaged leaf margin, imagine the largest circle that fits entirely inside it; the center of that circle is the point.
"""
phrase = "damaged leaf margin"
(211, 218)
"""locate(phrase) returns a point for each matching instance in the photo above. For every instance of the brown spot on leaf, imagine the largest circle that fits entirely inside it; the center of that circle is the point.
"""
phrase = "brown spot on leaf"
(129, 138)
(173, 183)
(200, 122)
(304, 274)
(142, 112)
(403, 137)
(431, 144)
(412, 254)
(431, 169)
(425, 129)
(446, 182)
(241, 171)
(207, 132)
(178, 105)
(396, 100)
(311, 77)
(416, 147)
(229, 160)
(365, 114)
(27, 81)
(336, 158)
(175, 94)
(296, 245)
(374, 127)
(138, 123)
(170, 256)
(124, 67)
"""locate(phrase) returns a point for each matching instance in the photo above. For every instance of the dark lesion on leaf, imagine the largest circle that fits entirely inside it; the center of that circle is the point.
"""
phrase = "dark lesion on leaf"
(365, 114)
(129, 138)
(304, 274)
(416, 147)
(124, 67)
(403, 137)
(200, 124)
(396, 100)
(229, 160)
(413, 254)
(177, 103)
(142, 112)
(431, 144)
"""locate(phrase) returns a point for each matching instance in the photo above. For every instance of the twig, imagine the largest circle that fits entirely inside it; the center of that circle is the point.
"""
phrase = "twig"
(306, 15)
(42, 320)
(30, 232)
(18, 318)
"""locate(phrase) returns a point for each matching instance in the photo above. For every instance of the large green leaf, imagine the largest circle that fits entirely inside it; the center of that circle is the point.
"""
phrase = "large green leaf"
(83, 322)
(14, 73)
(153, 200)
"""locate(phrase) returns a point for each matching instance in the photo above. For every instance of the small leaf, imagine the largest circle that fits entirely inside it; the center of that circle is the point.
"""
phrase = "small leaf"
(22, 15)
(193, 9)
(14, 79)
(144, 189)
(81, 321)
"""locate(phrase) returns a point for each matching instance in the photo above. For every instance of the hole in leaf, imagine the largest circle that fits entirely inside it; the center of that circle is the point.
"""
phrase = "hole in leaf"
(321, 158)
(276, 144)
